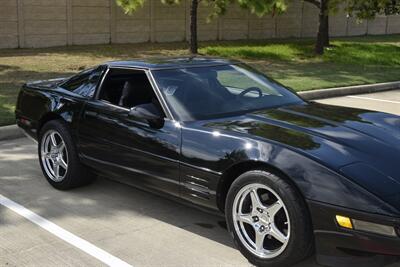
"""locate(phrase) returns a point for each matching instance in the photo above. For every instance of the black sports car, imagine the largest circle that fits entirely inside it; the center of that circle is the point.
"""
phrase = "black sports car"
(290, 176)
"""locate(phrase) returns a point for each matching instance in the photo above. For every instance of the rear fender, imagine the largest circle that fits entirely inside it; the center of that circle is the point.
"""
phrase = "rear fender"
(36, 107)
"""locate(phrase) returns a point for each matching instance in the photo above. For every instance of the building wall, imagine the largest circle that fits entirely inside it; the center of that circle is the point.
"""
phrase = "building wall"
(45, 23)
(8, 24)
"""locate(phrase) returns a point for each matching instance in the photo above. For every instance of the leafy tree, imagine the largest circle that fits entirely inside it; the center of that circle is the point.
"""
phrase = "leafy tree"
(218, 7)
(362, 9)
(368, 9)
(263, 7)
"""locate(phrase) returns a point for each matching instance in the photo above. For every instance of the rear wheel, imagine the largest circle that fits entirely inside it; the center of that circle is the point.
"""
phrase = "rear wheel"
(268, 220)
(59, 159)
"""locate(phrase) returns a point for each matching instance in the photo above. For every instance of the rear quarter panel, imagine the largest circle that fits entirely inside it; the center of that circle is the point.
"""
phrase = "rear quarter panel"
(36, 106)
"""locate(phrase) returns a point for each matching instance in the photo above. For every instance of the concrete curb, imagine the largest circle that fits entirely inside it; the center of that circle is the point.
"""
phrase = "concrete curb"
(10, 132)
(13, 132)
(349, 90)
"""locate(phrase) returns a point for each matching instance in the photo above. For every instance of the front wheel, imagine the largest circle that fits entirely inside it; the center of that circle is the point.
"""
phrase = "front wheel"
(59, 159)
(268, 220)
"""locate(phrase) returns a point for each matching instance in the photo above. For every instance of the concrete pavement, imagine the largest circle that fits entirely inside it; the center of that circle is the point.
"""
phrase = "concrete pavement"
(388, 101)
(137, 227)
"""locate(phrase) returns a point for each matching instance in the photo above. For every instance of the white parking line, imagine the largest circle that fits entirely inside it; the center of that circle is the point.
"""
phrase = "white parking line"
(68, 237)
(375, 99)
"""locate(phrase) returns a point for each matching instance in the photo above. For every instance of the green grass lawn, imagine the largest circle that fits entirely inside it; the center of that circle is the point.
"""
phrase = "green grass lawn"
(349, 61)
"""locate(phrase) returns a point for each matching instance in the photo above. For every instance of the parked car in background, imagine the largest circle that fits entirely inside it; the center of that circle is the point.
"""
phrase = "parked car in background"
(292, 177)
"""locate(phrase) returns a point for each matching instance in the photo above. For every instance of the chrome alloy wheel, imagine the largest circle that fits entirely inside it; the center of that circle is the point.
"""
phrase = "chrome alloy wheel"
(54, 156)
(261, 220)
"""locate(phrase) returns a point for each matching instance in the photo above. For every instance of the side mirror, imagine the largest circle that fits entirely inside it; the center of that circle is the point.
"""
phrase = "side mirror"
(146, 111)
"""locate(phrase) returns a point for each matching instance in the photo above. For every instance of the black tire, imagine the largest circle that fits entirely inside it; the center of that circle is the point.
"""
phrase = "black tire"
(300, 244)
(76, 174)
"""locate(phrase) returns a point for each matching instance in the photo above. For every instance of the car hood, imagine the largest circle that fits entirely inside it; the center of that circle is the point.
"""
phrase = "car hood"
(360, 144)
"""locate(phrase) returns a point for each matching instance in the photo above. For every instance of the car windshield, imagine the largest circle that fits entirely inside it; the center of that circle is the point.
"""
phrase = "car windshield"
(210, 92)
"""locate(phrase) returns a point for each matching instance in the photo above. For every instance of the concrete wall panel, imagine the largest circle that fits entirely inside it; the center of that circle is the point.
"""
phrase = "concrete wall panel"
(45, 2)
(95, 3)
(141, 13)
(90, 13)
(169, 37)
(94, 38)
(8, 28)
(262, 28)
(309, 27)
(132, 37)
(207, 29)
(37, 27)
(393, 24)
(169, 22)
(377, 26)
(235, 12)
(45, 40)
(338, 23)
(356, 27)
(38, 23)
(91, 21)
(137, 26)
(234, 24)
(45, 12)
(8, 3)
(169, 25)
(207, 35)
(289, 23)
(8, 41)
(91, 26)
(8, 24)
(8, 13)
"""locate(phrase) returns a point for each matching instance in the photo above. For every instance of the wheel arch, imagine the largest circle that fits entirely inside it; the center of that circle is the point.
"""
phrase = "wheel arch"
(46, 118)
(234, 171)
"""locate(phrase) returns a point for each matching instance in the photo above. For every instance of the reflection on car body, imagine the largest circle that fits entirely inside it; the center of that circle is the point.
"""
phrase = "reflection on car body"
(288, 174)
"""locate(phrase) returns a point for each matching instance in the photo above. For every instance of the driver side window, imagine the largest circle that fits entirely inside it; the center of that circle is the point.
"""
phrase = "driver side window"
(128, 88)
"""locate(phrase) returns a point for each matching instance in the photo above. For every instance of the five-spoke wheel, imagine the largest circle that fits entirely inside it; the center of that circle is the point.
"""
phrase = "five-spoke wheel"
(54, 155)
(58, 157)
(268, 219)
(261, 220)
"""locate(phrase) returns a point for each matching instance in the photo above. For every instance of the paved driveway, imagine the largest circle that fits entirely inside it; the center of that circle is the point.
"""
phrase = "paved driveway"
(111, 221)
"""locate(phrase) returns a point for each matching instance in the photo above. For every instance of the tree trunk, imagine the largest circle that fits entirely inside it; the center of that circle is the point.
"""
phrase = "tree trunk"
(323, 28)
(326, 31)
(193, 26)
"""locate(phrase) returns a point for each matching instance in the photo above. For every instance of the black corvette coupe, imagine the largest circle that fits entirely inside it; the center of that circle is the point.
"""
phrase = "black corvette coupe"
(292, 177)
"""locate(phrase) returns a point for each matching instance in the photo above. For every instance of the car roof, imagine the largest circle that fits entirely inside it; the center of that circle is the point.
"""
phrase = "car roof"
(171, 62)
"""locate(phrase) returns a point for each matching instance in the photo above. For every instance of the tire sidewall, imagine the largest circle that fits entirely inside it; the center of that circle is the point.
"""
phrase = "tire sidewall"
(300, 225)
(62, 130)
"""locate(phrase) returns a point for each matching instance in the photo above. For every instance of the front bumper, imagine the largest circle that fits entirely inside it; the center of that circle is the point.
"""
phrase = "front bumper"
(337, 246)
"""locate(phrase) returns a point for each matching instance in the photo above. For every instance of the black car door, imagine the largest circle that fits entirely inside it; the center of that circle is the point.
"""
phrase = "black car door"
(127, 148)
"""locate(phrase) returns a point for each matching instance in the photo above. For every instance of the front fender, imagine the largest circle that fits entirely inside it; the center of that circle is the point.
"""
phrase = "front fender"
(210, 154)
(319, 183)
